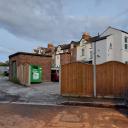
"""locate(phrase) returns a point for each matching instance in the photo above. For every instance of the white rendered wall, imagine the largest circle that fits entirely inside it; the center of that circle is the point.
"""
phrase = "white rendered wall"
(124, 52)
(87, 48)
(101, 51)
(117, 43)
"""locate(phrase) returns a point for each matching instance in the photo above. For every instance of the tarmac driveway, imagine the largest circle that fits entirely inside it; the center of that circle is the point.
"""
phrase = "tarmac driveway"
(47, 92)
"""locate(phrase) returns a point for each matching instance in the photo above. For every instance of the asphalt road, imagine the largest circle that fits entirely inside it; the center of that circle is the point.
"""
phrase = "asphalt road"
(30, 116)
(45, 93)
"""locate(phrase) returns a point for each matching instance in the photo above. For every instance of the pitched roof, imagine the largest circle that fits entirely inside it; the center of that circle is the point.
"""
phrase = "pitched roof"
(75, 42)
(98, 38)
(64, 46)
(119, 30)
(115, 29)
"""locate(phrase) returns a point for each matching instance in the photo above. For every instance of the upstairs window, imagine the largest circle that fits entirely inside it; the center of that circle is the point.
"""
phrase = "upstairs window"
(82, 52)
(110, 47)
(126, 46)
(91, 54)
(126, 39)
(126, 43)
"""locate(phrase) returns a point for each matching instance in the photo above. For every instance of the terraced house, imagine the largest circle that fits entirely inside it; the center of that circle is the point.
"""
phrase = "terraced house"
(111, 45)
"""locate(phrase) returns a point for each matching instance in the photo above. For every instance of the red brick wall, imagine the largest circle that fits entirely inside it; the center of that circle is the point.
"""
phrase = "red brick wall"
(73, 54)
(45, 62)
(65, 58)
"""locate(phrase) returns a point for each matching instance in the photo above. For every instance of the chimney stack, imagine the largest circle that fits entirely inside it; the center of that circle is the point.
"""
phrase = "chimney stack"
(50, 46)
(86, 36)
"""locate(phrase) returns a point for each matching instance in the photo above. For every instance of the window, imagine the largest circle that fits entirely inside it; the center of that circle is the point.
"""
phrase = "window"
(82, 52)
(126, 46)
(91, 54)
(110, 47)
(126, 39)
(126, 43)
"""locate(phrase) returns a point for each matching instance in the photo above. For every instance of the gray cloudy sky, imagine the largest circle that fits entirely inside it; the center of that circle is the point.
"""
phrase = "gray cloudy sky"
(25, 24)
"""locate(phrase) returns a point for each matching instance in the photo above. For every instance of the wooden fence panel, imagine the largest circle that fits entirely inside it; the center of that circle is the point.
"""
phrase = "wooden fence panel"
(104, 79)
(120, 79)
(76, 79)
(111, 79)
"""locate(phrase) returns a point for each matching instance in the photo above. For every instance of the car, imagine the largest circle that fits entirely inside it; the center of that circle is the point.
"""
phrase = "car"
(6, 73)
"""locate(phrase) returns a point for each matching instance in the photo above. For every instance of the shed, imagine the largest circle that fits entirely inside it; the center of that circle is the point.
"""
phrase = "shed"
(20, 67)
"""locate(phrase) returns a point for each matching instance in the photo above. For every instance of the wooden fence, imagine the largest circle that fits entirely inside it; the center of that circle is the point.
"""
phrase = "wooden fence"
(111, 79)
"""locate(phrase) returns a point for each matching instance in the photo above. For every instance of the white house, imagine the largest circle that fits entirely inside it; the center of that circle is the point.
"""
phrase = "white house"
(84, 49)
(65, 48)
(111, 45)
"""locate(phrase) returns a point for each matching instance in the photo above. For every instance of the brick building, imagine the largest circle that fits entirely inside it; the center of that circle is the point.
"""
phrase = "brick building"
(73, 50)
(65, 58)
(20, 62)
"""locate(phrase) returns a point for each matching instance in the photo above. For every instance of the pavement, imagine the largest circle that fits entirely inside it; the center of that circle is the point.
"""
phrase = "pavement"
(48, 93)
(33, 116)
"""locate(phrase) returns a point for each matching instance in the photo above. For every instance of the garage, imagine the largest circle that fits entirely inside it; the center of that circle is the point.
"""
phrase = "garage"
(28, 68)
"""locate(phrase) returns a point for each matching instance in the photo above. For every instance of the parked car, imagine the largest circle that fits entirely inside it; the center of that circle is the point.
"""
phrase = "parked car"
(55, 75)
(6, 73)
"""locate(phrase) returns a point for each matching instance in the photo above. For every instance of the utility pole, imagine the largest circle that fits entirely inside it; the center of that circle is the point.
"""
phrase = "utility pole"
(94, 71)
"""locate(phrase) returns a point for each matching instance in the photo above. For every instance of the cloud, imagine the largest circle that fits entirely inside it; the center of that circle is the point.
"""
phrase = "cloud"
(4, 50)
(31, 18)
(44, 20)
(98, 2)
